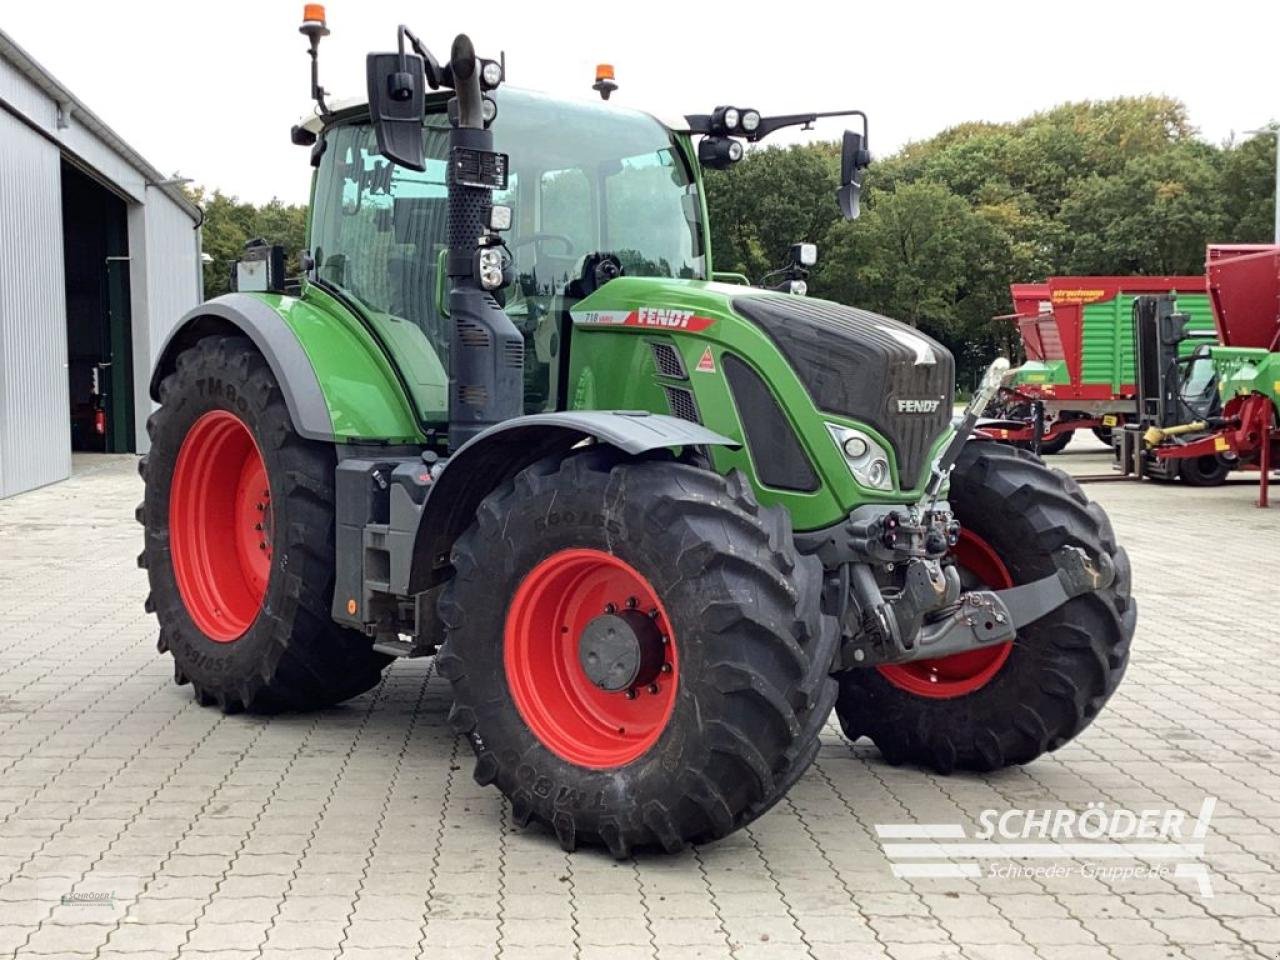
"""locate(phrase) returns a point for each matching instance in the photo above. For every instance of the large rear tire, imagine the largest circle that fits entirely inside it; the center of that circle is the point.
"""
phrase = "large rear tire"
(239, 541)
(702, 584)
(1001, 706)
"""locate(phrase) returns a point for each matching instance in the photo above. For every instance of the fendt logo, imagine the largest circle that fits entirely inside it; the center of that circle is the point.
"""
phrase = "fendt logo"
(658, 317)
(668, 319)
(918, 406)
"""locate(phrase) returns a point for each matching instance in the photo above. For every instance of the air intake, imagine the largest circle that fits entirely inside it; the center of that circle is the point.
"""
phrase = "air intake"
(682, 404)
(667, 360)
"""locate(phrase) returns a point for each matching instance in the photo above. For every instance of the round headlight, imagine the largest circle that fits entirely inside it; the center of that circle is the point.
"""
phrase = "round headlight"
(878, 472)
(491, 74)
(750, 121)
(855, 448)
(488, 110)
(735, 151)
(730, 118)
(799, 288)
(490, 269)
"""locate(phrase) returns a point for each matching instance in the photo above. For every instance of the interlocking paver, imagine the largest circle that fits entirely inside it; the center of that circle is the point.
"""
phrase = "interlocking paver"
(359, 829)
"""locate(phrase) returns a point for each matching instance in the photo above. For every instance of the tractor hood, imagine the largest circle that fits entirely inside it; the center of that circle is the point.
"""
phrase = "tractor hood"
(853, 364)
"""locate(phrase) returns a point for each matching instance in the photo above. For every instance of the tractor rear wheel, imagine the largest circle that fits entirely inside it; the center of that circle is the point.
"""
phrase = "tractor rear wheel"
(239, 542)
(1003, 705)
(637, 652)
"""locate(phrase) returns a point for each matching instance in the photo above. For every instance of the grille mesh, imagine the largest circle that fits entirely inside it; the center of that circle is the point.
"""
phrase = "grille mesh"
(667, 359)
(682, 404)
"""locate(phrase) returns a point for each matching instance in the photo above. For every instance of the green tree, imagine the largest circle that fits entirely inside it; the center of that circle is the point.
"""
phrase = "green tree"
(1153, 217)
(770, 200)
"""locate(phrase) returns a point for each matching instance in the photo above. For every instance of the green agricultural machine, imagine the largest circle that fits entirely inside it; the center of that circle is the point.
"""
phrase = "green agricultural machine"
(652, 526)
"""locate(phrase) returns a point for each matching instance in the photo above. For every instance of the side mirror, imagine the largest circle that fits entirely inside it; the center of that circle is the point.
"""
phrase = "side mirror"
(854, 158)
(397, 96)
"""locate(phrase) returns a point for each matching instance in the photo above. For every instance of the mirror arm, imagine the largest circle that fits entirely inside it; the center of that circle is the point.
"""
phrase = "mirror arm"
(430, 65)
(701, 123)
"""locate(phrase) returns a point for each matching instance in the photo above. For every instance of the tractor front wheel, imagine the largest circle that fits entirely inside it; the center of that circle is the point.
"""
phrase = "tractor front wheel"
(637, 652)
(1003, 705)
(239, 541)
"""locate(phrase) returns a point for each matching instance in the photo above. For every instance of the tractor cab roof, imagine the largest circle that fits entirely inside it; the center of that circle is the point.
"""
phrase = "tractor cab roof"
(578, 109)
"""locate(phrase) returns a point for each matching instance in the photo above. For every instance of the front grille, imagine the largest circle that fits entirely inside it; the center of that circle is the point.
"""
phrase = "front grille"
(859, 364)
(682, 404)
(667, 359)
(779, 460)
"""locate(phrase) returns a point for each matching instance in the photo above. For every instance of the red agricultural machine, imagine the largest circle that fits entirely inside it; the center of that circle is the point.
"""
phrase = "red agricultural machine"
(1215, 402)
(1079, 372)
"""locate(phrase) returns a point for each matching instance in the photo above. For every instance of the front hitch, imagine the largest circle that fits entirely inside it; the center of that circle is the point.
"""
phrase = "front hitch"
(976, 618)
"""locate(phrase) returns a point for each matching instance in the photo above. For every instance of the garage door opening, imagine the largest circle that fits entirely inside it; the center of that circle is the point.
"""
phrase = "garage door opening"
(99, 336)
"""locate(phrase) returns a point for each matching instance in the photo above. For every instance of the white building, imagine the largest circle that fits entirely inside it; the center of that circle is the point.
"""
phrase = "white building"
(99, 258)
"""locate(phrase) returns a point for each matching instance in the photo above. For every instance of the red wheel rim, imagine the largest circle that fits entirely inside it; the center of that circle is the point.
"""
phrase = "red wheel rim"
(961, 673)
(220, 526)
(575, 719)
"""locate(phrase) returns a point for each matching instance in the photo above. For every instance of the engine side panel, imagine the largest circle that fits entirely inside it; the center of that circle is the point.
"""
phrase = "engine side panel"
(661, 345)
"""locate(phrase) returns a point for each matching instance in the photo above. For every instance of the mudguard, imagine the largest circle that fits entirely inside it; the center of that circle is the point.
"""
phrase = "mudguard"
(242, 313)
(491, 458)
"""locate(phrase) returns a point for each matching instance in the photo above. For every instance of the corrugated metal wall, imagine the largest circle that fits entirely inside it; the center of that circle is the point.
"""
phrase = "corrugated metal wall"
(165, 282)
(35, 435)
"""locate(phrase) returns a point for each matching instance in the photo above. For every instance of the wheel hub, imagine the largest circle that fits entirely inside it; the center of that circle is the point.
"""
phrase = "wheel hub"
(220, 525)
(591, 658)
(620, 651)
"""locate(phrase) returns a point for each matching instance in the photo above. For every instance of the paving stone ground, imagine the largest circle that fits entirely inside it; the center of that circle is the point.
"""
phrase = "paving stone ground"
(135, 824)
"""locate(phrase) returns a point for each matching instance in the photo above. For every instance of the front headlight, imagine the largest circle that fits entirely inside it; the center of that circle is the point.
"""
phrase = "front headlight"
(868, 461)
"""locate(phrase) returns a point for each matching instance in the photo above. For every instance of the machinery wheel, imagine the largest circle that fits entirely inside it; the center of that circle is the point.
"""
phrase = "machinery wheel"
(1103, 434)
(1005, 705)
(1210, 471)
(239, 543)
(1057, 444)
(637, 651)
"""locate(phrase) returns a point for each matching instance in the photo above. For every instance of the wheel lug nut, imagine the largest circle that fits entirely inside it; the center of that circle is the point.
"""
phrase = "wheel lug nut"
(257, 526)
(632, 603)
(666, 639)
(260, 507)
(653, 614)
(610, 608)
(631, 694)
(666, 668)
(653, 688)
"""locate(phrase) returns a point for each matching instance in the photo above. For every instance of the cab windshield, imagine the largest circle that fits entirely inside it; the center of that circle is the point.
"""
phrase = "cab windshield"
(584, 179)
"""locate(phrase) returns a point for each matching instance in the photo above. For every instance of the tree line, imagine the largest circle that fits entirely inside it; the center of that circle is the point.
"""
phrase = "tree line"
(1122, 186)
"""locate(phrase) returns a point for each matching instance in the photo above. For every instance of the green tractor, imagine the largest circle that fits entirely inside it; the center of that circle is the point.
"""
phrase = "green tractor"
(652, 525)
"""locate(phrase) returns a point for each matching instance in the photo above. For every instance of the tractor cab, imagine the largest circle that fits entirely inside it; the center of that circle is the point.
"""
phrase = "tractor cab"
(585, 181)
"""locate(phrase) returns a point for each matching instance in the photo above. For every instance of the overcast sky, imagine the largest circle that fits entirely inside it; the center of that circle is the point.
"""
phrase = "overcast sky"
(211, 89)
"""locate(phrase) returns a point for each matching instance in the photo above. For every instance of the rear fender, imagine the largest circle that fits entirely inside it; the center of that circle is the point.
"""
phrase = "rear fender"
(238, 313)
(337, 385)
(488, 460)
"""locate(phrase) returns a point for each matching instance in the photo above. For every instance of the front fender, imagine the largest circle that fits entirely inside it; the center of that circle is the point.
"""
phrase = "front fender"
(489, 459)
